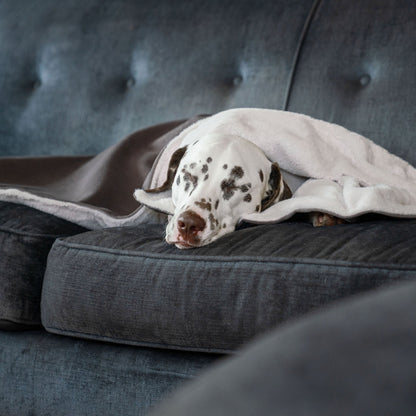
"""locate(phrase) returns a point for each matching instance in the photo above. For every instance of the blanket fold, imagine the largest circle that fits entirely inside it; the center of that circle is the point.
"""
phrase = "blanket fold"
(330, 168)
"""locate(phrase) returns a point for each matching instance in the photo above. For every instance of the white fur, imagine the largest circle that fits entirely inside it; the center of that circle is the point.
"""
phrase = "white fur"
(214, 157)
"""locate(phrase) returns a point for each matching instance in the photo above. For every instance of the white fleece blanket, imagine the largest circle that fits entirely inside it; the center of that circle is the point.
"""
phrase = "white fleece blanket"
(330, 169)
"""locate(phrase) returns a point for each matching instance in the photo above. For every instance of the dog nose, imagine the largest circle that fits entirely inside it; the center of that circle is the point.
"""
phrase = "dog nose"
(189, 224)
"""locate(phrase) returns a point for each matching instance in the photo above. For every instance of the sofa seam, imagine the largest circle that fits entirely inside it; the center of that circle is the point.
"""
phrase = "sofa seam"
(20, 321)
(298, 51)
(61, 244)
(125, 341)
(34, 235)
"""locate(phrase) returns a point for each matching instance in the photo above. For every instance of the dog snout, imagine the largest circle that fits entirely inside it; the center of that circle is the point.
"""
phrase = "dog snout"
(189, 225)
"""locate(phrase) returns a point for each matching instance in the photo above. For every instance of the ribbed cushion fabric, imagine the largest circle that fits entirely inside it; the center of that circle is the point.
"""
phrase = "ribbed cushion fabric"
(128, 286)
(26, 236)
(44, 374)
(357, 358)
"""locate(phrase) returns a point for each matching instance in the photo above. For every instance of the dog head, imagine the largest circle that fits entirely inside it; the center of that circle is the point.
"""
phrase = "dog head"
(214, 182)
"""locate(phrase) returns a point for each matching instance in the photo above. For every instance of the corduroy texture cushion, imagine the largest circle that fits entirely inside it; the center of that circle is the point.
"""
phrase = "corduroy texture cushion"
(129, 286)
(26, 236)
(44, 374)
(357, 358)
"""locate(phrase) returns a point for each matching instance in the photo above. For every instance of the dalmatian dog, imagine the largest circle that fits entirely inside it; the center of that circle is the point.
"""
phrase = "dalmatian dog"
(214, 182)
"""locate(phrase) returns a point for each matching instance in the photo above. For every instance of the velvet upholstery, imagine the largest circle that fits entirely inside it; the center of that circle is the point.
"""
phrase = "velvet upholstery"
(357, 70)
(78, 76)
(353, 359)
(43, 374)
(26, 236)
(90, 72)
(126, 285)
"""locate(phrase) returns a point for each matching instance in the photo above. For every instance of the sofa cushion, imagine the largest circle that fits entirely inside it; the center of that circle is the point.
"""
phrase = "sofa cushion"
(26, 236)
(357, 358)
(43, 374)
(128, 286)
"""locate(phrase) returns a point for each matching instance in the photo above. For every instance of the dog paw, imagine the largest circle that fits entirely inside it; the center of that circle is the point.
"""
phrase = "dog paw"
(320, 219)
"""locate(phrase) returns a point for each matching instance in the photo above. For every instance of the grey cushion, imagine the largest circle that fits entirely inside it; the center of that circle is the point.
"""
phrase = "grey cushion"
(43, 374)
(355, 359)
(26, 236)
(128, 286)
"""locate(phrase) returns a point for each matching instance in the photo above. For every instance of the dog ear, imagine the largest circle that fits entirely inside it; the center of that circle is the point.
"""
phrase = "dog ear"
(173, 167)
(159, 202)
(277, 188)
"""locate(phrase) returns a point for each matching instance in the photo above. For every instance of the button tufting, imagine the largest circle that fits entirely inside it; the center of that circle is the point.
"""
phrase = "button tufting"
(130, 83)
(365, 80)
(237, 80)
(36, 84)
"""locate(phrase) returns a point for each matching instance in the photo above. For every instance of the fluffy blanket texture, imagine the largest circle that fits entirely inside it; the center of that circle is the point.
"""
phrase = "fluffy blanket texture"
(331, 169)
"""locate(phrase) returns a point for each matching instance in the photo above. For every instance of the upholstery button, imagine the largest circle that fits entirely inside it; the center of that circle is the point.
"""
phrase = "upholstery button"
(237, 80)
(365, 80)
(130, 83)
(36, 84)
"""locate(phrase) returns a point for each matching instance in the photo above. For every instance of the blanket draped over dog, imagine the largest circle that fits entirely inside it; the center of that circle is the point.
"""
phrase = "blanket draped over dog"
(330, 169)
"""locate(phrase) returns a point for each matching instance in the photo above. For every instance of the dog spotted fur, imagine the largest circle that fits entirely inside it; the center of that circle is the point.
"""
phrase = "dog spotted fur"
(215, 181)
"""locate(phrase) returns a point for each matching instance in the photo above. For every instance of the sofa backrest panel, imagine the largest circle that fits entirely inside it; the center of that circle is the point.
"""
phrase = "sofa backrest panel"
(357, 68)
(79, 75)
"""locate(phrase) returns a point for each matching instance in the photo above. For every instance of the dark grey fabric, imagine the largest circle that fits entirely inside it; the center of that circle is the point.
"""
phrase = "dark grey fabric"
(357, 68)
(354, 359)
(76, 78)
(44, 374)
(129, 286)
(103, 182)
(26, 236)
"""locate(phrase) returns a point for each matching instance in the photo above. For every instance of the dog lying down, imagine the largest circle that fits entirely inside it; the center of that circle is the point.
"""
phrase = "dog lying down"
(215, 181)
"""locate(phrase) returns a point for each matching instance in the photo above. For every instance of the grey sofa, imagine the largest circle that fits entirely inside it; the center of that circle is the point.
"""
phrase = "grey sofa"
(110, 322)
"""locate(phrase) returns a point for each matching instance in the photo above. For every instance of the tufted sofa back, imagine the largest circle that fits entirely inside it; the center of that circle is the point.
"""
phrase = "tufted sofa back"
(79, 75)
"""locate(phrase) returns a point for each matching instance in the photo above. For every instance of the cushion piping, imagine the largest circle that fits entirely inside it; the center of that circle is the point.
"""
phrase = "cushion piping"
(234, 259)
(30, 234)
(115, 340)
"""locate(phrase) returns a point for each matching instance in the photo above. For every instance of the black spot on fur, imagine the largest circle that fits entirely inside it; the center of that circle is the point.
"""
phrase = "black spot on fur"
(225, 166)
(178, 180)
(237, 172)
(213, 221)
(189, 180)
(206, 177)
(244, 188)
(204, 169)
(203, 204)
(247, 198)
(261, 174)
(228, 188)
(258, 208)
(192, 165)
(217, 203)
(209, 160)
